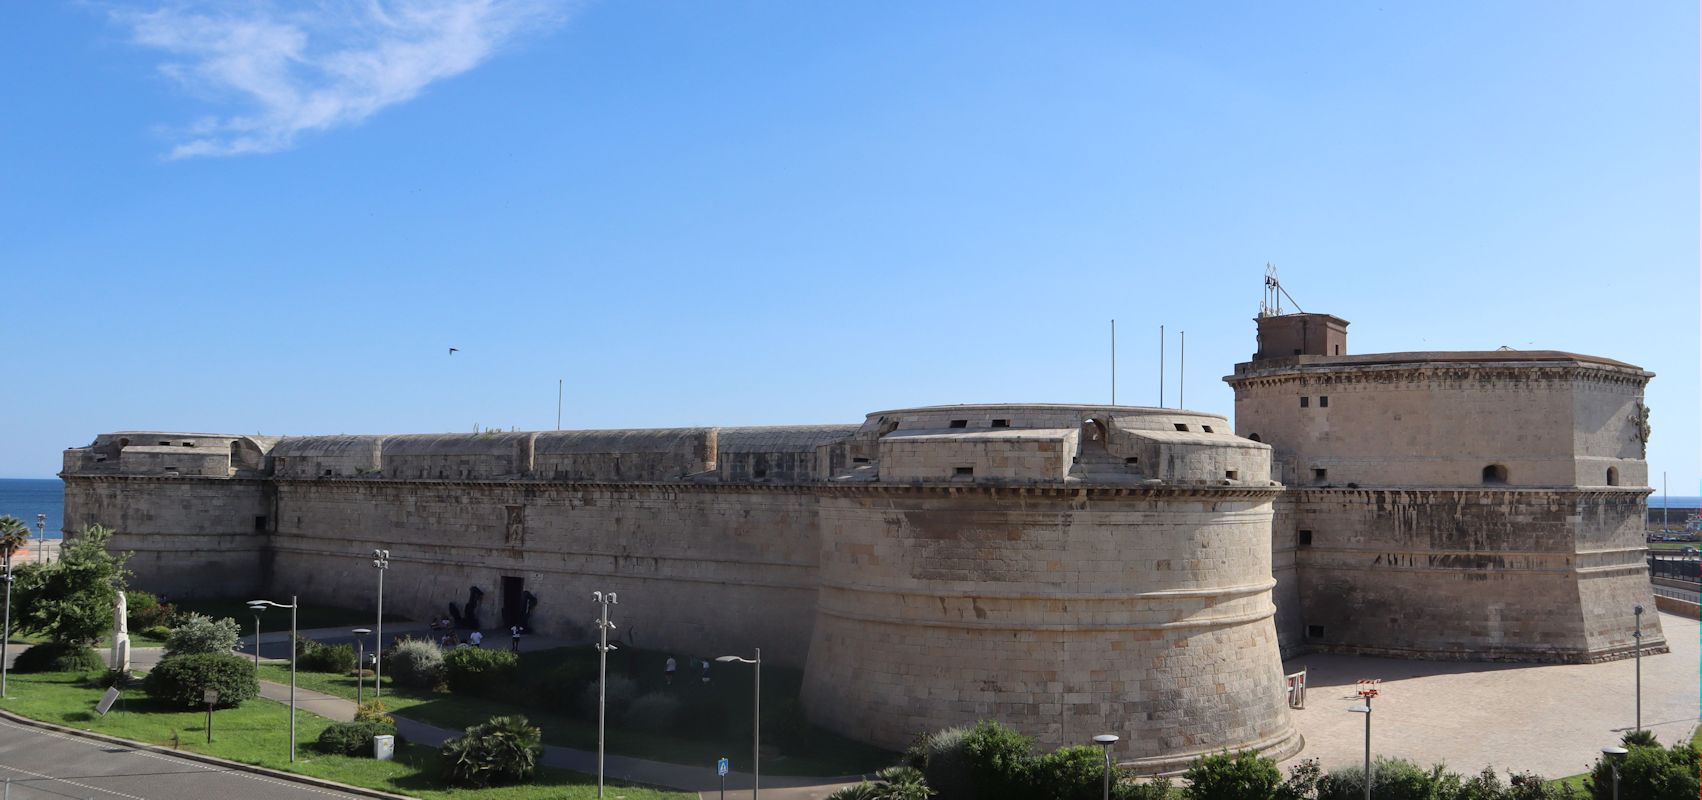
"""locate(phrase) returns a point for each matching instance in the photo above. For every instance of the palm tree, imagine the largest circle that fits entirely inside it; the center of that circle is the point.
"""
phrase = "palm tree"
(13, 534)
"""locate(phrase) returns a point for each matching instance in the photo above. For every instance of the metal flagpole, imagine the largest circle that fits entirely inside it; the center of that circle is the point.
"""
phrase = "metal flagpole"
(1113, 362)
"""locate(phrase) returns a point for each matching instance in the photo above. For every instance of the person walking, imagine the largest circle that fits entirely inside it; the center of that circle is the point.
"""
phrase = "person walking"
(476, 639)
(668, 670)
(514, 639)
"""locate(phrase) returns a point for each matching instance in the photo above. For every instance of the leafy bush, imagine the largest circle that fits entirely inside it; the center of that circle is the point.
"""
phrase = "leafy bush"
(477, 671)
(58, 657)
(352, 738)
(415, 663)
(373, 711)
(317, 657)
(940, 757)
(1000, 762)
(146, 611)
(1391, 779)
(1649, 773)
(566, 684)
(1233, 776)
(622, 692)
(70, 600)
(199, 633)
(892, 783)
(1158, 789)
(652, 713)
(1069, 773)
(1640, 738)
(159, 632)
(503, 750)
(181, 679)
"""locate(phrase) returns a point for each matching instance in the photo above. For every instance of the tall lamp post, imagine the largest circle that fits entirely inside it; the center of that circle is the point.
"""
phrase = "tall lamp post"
(1366, 710)
(756, 720)
(1637, 643)
(6, 635)
(603, 601)
(257, 608)
(40, 537)
(380, 561)
(293, 606)
(1612, 756)
(360, 662)
(1106, 740)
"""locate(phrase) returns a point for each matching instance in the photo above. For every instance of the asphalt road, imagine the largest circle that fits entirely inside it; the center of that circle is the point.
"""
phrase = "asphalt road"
(43, 764)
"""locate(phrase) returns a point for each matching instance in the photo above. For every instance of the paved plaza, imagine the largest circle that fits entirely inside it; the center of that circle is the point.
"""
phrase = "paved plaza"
(1550, 719)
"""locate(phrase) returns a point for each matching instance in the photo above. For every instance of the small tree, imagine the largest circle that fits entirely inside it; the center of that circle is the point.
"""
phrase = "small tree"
(13, 534)
(71, 600)
(199, 633)
(182, 679)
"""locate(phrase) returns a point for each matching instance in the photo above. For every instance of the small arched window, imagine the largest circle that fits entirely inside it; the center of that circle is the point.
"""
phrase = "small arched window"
(1613, 476)
(1495, 474)
(1254, 437)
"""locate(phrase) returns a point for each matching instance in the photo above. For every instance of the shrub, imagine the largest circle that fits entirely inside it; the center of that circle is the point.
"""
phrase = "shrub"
(622, 692)
(159, 632)
(415, 663)
(1640, 738)
(1392, 779)
(181, 679)
(566, 684)
(1070, 773)
(940, 757)
(500, 751)
(1649, 773)
(477, 671)
(146, 611)
(652, 713)
(999, 761)
(892, 783)
(1233, 776)
(199, 633)
(317, 657)
(352, 738)
(1158, 789)
(58, 657)
(373, 711)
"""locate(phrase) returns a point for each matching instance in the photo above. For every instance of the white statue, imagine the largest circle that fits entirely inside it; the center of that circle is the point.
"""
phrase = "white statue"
(121, 633)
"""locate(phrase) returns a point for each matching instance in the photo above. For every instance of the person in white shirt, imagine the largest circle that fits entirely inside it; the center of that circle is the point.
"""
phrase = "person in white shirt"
(476, 639)
(668, 670)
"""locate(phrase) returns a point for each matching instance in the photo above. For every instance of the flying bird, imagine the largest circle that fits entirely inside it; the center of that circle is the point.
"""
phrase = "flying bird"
(453, 350)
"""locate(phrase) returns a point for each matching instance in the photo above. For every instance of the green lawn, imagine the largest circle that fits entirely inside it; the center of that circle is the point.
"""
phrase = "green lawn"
(828, 755)
(258, 733)
(1673, 545)
(278, 619)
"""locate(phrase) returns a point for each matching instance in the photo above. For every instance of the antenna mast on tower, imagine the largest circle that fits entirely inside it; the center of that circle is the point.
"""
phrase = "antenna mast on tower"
(1271, 305)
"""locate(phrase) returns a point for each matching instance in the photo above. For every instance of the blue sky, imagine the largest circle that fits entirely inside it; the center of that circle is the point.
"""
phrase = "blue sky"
(246, 217)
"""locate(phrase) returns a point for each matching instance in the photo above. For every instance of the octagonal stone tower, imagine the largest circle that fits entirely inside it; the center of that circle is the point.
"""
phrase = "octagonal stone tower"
(1068, 570)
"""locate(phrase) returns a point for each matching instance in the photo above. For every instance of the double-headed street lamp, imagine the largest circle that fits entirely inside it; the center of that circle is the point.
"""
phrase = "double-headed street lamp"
(756, 719)
(1106, 740)
(380, 561)
(293, 606)
(360, 663)
(603, 600)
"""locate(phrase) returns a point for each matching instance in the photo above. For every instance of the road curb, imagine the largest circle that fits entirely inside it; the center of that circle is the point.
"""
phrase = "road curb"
(293, 777)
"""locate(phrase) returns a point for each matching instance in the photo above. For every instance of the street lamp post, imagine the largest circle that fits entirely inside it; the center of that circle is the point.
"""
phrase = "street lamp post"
(6, 635)
(40, 538)
(603, 601)
(1637, 643)
(756, 721)
(1366, 710)
(293, 606)
(257, 609)
(360, 662)
(381, 561)
(1613, 755)
(1106, 740)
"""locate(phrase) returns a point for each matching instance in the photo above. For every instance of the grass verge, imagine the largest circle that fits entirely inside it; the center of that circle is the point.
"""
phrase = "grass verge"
(258, 733)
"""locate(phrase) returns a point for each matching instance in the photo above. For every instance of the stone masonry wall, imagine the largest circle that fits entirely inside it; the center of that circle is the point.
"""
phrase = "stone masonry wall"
(189, 537)
(704, 569)
(1064, 613)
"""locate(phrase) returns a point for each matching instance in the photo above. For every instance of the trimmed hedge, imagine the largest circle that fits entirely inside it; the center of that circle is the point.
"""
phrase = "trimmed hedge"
(316, 657)
(415, 663)
(58, 657)
(480, 672)
(352, 738)
(180, 680)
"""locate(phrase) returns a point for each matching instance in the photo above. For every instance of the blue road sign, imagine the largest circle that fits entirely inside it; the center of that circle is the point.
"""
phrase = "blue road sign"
(721, 767)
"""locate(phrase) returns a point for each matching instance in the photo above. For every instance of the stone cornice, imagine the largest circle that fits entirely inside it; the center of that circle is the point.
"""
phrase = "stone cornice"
(1430, 373)
(1305, 493)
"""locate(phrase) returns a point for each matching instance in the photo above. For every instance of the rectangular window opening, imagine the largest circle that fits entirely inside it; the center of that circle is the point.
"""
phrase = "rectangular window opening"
(1305, 538)
(1001, 423)
(1323, 401)
(759, 472)
(1206, 428)
(859, 461)
(1320, 474)
(165, 444)
(327, 473)
(1181, 426)
(1338, 349)
(260, 524)
(188, 444)
(1132, 460)
(963, 472)
(1231, 474)
(1314, 631)
(960, 423)
(1305, 402)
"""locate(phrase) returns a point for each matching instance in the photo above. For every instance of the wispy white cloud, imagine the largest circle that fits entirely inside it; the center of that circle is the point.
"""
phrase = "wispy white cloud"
(295, 68)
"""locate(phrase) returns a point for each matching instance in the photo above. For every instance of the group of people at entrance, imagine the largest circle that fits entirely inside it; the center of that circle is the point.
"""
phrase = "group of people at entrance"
(451, 640)
(672, 666)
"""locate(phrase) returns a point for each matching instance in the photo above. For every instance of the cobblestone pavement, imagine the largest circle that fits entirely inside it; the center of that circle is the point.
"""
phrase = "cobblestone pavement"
(1549, 719)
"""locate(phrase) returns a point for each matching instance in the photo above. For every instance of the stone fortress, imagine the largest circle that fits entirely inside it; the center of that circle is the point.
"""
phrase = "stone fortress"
(1067, 569)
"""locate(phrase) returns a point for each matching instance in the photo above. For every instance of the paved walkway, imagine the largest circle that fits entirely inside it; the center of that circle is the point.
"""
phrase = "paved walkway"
(1549, 719)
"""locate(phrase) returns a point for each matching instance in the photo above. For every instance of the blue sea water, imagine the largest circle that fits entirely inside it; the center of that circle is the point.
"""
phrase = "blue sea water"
(26, 497)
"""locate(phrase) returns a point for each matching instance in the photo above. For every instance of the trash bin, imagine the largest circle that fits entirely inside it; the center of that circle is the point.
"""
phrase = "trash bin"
(384, 747)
